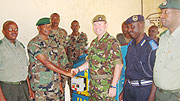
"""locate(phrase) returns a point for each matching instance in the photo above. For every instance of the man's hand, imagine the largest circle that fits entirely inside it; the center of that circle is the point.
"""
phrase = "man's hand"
(112, 92)
(70, 73)
(61, 88)
(75, 70)
(2, 98)
(121, 96)
(31, 94)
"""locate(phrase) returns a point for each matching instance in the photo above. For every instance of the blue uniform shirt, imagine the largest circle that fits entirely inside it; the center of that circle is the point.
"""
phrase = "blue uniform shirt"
(140, 59)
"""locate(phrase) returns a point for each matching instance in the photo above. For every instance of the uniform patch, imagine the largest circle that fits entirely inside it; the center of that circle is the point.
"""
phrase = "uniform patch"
(153, 45)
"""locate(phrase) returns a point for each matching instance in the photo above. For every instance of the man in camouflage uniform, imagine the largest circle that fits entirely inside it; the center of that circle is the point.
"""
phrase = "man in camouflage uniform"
(104, 63)
(77, 42)
(46, 58)
(59, 34)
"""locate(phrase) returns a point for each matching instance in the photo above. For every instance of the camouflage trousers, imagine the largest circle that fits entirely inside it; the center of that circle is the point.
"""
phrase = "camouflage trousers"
(99, 90)
(48, 96)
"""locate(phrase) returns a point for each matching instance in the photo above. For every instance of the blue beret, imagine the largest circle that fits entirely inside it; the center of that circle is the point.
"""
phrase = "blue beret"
(134, 18)
(43, 21)
(170, 4)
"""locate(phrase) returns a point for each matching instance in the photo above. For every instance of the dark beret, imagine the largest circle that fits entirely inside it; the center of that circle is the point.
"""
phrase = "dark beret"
(43, 21)
(170, 4)
(134, 18)
(99, 18)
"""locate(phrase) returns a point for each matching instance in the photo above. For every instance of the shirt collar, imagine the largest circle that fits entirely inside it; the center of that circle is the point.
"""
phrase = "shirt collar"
(103, 37)
(141, 43)
(10, 43)
(175, 33)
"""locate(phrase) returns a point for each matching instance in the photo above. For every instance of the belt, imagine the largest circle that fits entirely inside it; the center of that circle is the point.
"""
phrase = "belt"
(101, 76)
(139, 82)
(14, 83)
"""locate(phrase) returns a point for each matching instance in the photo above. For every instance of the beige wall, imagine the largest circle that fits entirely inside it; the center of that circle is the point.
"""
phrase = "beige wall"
(27, 12)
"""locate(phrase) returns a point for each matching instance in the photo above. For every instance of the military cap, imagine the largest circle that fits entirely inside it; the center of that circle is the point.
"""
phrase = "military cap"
(43, 21)
(170, 4)
(134, 18)
(99, 18)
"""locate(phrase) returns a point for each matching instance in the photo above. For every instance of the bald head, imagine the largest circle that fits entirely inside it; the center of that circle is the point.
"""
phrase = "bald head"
(10, 30)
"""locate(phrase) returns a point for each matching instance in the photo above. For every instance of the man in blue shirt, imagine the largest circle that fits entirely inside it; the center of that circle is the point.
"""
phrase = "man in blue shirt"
(139, 62)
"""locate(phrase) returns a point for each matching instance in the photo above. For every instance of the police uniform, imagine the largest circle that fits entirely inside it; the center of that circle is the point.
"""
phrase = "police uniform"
(139, 67)
(44, 81)
(103, 55)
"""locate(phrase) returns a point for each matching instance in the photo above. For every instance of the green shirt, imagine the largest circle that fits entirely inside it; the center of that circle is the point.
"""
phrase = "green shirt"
(13, 61)
(167, 64)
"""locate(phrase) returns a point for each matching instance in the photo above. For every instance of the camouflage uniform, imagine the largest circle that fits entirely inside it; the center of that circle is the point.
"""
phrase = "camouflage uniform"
(76, 46)
(103, 56)
(59, 35)
(44, 81)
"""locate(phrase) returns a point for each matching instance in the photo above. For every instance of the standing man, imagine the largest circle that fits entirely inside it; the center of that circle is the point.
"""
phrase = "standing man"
(104, 63)
(14, 81)
(46, 63)
(58, 34)
(153, 32)
(139, 61)
(77, 42)
(167, 64)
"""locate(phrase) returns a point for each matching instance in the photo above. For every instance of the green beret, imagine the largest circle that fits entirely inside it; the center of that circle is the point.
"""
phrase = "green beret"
(43, 21)
(170, 4)
(99, 18)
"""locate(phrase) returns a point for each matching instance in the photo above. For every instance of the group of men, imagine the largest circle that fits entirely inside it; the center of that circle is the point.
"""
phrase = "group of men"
(42, 77)
(152, 71)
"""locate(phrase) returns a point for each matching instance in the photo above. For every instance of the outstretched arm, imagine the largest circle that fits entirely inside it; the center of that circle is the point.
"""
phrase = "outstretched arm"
(52, 66)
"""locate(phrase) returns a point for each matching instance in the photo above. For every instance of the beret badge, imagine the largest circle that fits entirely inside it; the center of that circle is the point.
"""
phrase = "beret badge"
(135, 18)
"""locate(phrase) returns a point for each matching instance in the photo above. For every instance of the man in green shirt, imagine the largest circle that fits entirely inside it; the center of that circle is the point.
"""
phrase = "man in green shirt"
(166, 73)
(13, 66)
(104, 62)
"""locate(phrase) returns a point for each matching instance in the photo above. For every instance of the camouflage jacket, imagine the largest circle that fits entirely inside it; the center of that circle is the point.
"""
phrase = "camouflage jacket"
(41, 77)
(59, 35)
(76, 46)
(103, 55)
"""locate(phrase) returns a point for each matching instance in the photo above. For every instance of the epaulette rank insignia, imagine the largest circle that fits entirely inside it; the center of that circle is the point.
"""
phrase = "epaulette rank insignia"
(153, 45)
(1, 41)
(142, 43)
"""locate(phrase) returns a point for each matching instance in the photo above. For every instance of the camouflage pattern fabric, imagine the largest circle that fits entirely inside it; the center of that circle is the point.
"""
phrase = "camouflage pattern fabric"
(104, 54)
(42, 78)
(59, 35)
(76, 46)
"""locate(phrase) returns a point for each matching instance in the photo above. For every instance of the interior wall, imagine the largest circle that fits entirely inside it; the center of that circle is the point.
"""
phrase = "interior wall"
(27, 12)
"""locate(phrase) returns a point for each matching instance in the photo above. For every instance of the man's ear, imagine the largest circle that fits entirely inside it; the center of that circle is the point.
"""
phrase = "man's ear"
(3, 31)
(38, 27)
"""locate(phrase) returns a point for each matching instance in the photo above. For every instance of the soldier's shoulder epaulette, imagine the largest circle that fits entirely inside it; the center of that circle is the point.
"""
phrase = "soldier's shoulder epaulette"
(22, 45)
(153, 44)
(1, 41)
(130, 42)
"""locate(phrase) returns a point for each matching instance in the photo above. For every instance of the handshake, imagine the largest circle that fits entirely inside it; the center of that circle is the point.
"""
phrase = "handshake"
(72, 72)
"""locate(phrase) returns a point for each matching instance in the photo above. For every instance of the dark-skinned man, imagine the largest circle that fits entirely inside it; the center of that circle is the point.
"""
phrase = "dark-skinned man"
(139, 62)
(166, 74)
(46, 64)
(13, 66)
(76, 45)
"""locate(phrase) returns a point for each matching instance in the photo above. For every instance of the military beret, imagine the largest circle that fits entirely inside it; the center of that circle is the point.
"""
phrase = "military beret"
(99, 18)
(170, 4)
(134, 18)
(43, 21)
